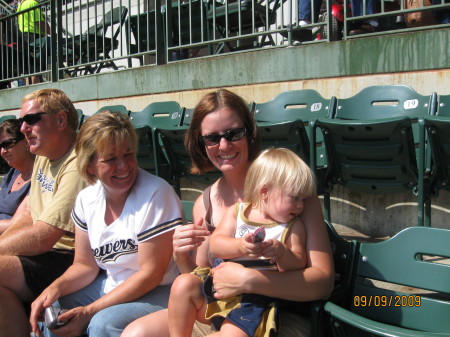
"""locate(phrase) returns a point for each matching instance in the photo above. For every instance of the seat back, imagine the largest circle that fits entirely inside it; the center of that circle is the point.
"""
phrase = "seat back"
(403, 281)
(387, 101)
(116, 16)
(153, 153)
(287, 134)
(142, 28)
(187, 209)
(375, 143)
(302, 106)
(6, 117)
(382, 102)
(178, 153)
(371, 156)
(188, 112)
(97, 43)
(116, 108)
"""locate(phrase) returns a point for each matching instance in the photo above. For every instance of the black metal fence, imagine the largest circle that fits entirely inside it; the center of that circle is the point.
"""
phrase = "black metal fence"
(55, 40)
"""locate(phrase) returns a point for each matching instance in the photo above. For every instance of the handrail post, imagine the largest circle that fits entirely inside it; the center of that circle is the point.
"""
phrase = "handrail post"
(329, 19)
(55, 28)
(161, 47)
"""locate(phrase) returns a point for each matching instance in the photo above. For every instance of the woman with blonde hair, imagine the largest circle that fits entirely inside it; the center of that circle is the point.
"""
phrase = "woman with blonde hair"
(123, 265)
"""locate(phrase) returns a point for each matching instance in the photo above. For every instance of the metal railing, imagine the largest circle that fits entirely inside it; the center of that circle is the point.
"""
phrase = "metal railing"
(82, 37)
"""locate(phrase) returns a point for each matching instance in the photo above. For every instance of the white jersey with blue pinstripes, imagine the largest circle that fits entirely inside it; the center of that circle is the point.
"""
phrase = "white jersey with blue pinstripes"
(152, 208)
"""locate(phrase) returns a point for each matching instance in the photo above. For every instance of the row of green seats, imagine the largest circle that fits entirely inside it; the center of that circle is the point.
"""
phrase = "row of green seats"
(367, 142)
(374, 142)
(384, 139)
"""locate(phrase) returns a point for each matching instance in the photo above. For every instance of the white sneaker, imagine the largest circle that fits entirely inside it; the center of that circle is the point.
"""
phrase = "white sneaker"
(304, 22)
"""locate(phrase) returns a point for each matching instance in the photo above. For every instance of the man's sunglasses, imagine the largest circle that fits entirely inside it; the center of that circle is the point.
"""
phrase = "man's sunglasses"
(231, 135)
(8, 144)
(31, 119)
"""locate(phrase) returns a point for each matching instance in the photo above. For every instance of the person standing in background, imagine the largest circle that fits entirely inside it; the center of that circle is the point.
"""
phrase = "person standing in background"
(33, 26)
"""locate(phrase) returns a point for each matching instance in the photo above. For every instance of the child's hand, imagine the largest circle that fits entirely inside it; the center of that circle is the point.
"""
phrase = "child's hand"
(273, 249)
(248, 248)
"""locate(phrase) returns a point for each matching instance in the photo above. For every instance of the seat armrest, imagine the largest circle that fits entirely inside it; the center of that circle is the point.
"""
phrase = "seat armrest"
(376, 328)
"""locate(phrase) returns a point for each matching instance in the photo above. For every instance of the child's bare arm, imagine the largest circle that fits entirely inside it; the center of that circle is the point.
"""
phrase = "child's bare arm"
(292, 254)
(224, 245)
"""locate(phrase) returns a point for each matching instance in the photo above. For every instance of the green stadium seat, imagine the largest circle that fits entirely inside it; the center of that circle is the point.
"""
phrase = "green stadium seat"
(373, 143)
(6, 117)
(116, 108)
(153, 154)
(400, 288)
(284, 121)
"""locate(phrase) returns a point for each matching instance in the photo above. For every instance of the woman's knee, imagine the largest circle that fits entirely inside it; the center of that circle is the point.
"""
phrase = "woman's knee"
(185, 285)
(153, 325)
(135, 329)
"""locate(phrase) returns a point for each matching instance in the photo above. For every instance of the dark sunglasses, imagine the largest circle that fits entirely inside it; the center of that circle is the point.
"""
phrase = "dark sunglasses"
(8, 144)
(231, 135)
(31, 119)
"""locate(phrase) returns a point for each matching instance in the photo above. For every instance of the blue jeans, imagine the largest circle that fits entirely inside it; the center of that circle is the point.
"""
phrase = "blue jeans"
(357, 7)
(111, 321)
(442, 15)
(304, 9)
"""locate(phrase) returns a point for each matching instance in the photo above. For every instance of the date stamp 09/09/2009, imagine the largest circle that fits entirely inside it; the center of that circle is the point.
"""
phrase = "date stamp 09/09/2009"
(387, 301)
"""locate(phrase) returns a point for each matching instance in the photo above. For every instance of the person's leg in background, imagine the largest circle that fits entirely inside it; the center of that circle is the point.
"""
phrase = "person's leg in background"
(442, 15)
(304, 11)
(364, 26)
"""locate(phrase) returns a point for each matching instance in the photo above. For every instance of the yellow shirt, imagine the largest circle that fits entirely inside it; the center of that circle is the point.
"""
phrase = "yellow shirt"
(28, 20)
(54, 188)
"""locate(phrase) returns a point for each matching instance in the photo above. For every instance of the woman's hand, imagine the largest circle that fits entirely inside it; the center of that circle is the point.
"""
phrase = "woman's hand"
(44, 300)
(77, 322)
(230, 279)
(188, 238)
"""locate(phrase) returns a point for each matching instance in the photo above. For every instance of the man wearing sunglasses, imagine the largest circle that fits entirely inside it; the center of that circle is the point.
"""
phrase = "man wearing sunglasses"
(38, 246)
